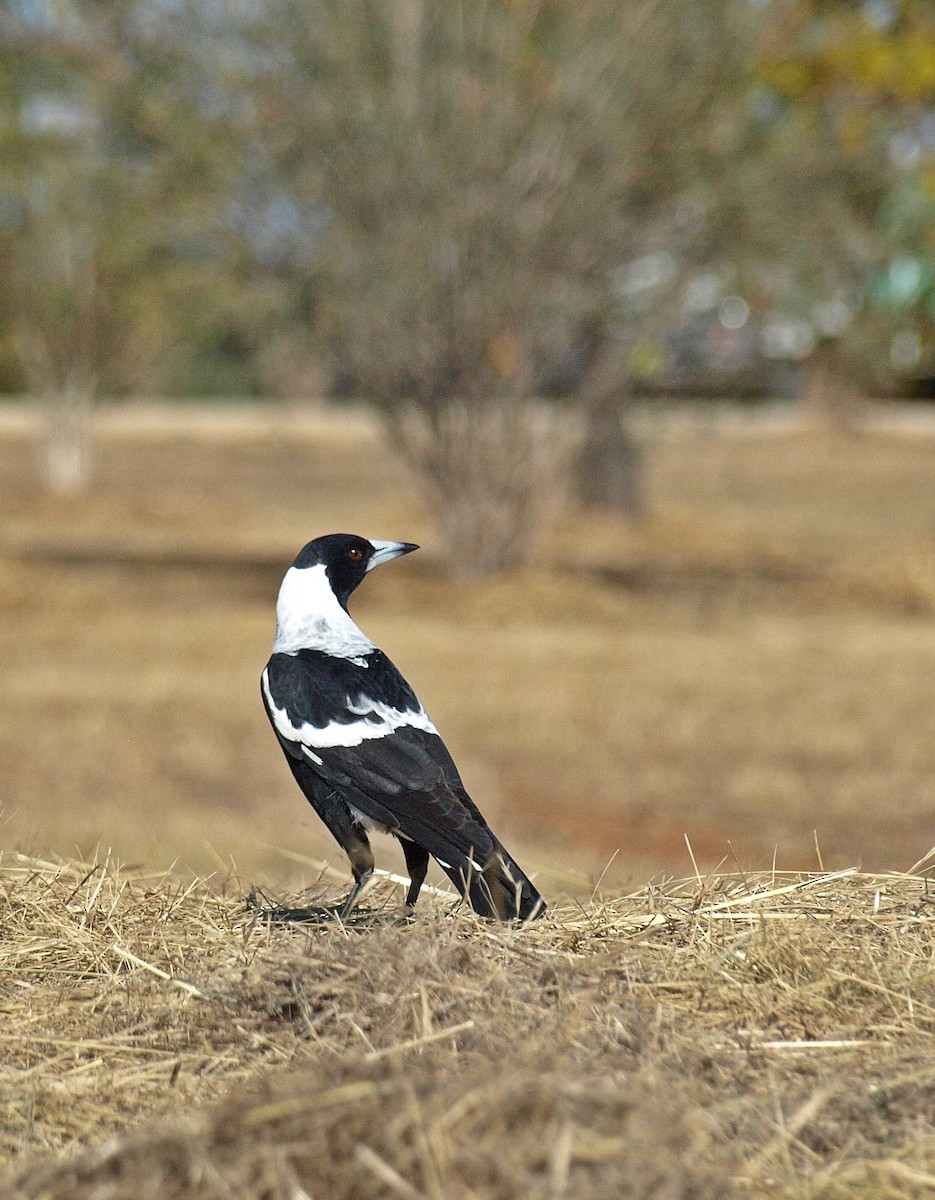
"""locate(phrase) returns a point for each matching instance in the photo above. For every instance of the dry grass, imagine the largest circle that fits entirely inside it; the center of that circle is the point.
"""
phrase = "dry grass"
(725, 1035)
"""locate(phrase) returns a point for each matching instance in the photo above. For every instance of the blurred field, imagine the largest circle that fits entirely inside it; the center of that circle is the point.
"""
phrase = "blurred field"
(752, 669)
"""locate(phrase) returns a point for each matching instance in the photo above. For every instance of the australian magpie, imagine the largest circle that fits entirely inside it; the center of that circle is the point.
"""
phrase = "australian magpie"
(361, 746)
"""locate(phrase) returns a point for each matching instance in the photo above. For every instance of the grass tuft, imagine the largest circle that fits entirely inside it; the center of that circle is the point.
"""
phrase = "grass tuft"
(757, 1035)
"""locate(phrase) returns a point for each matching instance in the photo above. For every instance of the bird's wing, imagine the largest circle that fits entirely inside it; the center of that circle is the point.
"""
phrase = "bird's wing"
(360, 727)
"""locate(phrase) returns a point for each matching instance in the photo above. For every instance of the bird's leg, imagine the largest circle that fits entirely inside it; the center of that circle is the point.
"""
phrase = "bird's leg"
(344, 910)
(358, 850)
(417, 863)
(351, 837)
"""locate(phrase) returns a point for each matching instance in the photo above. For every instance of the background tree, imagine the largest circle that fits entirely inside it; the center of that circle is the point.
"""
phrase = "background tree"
(812, 207)
(486, 216)
(822, 208)
(479, 171)
(115, 164)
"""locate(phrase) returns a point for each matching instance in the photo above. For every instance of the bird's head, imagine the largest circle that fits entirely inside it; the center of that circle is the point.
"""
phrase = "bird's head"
(346, 559)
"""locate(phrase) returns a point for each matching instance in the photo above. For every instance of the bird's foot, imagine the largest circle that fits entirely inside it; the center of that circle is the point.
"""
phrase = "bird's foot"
(310, 914)
(326, 914)
(317, 914)
(264, 908)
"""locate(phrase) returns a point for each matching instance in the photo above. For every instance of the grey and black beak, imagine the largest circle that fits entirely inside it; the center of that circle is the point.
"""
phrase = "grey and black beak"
(384, 551)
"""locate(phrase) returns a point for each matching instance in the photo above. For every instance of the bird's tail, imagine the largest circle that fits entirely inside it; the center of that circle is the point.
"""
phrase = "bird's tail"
(498, 888)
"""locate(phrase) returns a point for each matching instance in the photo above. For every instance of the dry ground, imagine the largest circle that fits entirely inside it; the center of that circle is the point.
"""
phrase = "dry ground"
(765, 1036)
(752, 669)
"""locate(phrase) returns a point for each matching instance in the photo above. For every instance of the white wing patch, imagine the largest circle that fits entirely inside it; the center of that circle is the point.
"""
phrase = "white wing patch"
(377, 720)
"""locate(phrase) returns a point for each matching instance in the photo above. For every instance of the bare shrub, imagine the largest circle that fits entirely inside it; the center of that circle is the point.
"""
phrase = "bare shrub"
(498, 474)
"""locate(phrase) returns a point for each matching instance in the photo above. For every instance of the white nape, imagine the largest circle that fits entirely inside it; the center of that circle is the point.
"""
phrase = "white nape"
(309, 617)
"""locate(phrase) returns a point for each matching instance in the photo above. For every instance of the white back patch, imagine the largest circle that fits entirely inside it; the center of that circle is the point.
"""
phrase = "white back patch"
(309, 617)
(383, 720)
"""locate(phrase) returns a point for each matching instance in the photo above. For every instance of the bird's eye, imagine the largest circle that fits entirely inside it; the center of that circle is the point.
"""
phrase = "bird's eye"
(355, 554)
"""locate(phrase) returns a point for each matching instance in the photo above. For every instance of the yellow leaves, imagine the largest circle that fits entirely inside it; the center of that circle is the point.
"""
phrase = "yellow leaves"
(789, 77)
(647, 358)
(868, 62)
(902, 67)
(927, 182)
(920, 65)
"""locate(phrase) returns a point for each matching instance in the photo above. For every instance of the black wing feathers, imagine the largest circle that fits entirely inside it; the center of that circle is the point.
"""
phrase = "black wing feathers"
(321, 690)
(405, 780)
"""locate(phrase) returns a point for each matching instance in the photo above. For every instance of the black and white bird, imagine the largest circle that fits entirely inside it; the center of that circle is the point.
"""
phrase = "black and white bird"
(361, 746)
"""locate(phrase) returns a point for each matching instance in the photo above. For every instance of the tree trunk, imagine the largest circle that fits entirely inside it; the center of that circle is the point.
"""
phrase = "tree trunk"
(67, 445)
(831, 395)
(609, 468)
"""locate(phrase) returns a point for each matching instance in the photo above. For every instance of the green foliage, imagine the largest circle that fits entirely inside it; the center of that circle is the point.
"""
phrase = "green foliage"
(849, 182)
(437, 193)
(112, 196)
(455, 206)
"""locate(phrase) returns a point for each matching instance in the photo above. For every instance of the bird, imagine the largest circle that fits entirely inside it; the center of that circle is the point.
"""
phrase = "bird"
(362, 748)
